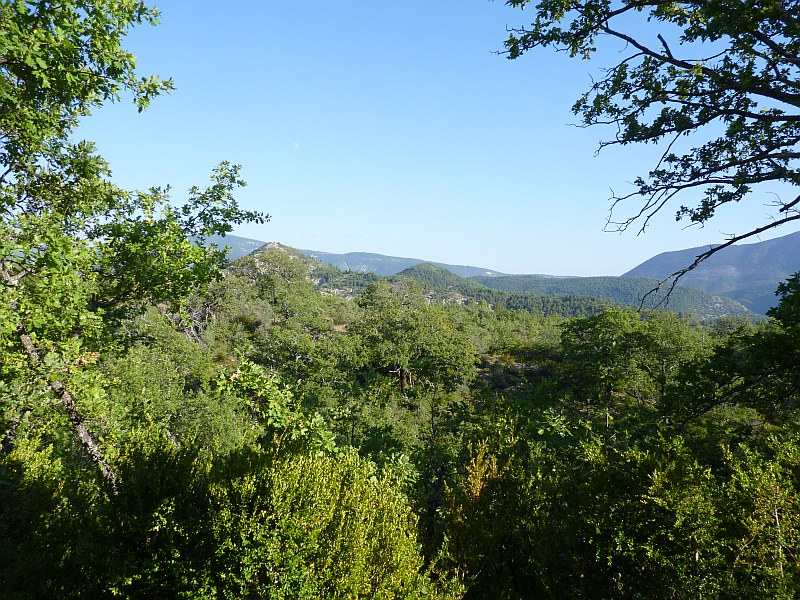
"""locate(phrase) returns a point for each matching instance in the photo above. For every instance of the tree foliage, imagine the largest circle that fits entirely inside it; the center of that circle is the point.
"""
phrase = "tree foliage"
(76, 252)
(723, 74)
(171, 429)
(58, 62)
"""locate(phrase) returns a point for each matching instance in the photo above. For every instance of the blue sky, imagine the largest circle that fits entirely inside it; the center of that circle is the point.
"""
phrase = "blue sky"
(391, 127)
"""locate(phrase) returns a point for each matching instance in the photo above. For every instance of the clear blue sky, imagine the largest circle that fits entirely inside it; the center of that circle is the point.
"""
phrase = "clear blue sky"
(390, 127)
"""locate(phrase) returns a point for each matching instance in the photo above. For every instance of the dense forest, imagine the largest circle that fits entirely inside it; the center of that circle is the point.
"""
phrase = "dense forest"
(269, 440)
(565, 296)
(176, 426)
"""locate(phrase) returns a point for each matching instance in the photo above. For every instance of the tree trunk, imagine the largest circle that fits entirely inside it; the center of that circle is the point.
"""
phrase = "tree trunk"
(403, 374)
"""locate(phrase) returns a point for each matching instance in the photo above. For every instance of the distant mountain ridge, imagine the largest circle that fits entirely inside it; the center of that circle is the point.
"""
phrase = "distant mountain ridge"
(627, 291)
(568, 296)
(237, 246)
(360, 262)
(748, 273)
(367, 262)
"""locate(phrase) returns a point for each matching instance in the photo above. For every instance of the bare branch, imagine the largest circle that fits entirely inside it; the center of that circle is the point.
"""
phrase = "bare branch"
(791, 99)
(13, 280)
(79, 427)
(666, 47)
(700, 258)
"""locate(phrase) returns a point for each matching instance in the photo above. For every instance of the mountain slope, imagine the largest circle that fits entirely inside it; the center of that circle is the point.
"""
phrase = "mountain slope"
(749, 273)
(239, 246)
(441, 285)
(581, 295)
(436, 277)
(628, 291)
(570, 296)
(380, 264)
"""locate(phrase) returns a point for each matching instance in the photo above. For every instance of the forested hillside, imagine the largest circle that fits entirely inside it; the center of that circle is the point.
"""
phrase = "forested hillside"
(543, 292)
(747, 272)
(173, 425)
(565, 296)
(568, 296)
(441, 285)
(486, 451)
(627, 291)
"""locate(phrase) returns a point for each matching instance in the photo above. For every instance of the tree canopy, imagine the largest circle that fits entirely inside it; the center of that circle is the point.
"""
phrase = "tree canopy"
(77, 252)
(173, 427)
(716, 84)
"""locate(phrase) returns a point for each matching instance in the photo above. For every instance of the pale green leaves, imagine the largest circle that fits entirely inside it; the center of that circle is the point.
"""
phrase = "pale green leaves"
(58, 61)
